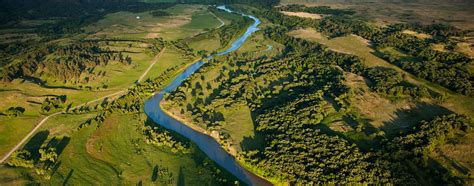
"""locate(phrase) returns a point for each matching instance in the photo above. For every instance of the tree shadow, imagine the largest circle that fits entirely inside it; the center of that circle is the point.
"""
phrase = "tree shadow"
(442, 174)
(255, 142)
(35, 143)
(181, 180)
(55, 168)
(69, 175)
(459, 167)
(44, 84)
(59, 145)
(405, 119)
(154, 173)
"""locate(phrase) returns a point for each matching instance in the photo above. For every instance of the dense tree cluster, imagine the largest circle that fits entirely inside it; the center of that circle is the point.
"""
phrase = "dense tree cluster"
(301, 154)
(427, 136)
(63, 63)
(160, 138)
(438, 31)
(52, 103)
(41, 160)
(415, 147)
(385, 81)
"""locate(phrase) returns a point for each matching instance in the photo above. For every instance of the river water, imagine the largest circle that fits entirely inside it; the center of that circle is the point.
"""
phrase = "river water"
(206, 143)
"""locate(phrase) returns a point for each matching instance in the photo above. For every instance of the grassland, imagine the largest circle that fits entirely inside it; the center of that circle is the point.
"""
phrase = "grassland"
(114, 153)
(457, 13)
(187, 20)
(30, 95)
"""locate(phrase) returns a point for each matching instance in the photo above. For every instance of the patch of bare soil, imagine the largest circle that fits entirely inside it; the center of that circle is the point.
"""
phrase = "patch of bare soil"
(303, 15)
(416, 34)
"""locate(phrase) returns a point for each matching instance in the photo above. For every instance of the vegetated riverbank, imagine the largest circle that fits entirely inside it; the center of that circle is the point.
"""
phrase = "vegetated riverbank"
(209, 142)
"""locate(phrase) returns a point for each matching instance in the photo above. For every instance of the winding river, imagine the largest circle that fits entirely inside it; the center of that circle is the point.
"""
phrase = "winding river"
(206, 143)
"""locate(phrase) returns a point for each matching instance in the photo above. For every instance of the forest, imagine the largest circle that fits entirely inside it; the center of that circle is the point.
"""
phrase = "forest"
(63, 63)
(448, 69)
(293, 94)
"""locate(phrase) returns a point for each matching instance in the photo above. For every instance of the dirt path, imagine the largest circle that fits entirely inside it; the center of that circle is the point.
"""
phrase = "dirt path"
(219, 19)
(116, 94)
(151, 66)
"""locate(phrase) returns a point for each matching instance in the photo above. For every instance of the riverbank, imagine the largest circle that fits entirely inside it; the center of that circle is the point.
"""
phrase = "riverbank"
(225, 146)
(209, 142)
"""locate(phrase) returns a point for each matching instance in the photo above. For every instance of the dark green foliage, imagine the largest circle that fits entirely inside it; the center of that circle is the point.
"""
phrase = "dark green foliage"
(389, 82)
(14, 111)
(440, 32)
(385, 81)
(427, 136)
(159, 13)
(301, 154)
(448, 69)
(416, 146)
(160, 137)
(163, 175)
(445, 68)
(52, 103)
(64, 63)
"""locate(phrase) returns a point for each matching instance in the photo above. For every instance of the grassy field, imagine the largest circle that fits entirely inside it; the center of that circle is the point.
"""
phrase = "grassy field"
(194, 19)
(30, 95)
(186, 21)
(457, 13)
(109, 155)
